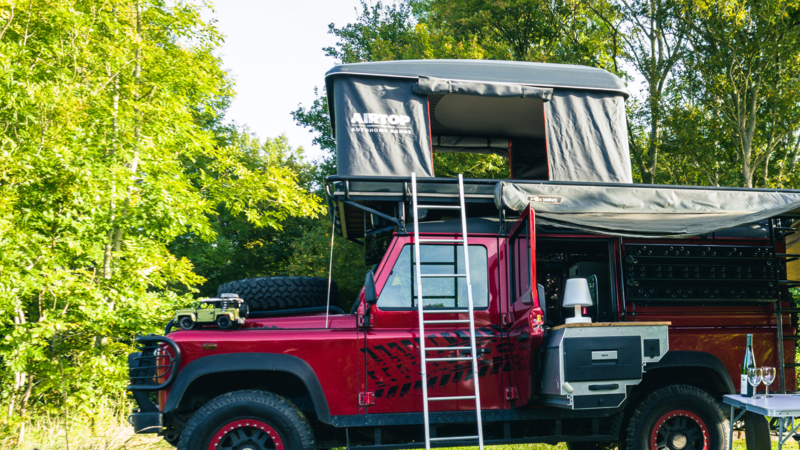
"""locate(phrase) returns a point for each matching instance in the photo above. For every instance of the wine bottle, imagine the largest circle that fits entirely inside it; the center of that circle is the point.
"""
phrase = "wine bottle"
(749, 362)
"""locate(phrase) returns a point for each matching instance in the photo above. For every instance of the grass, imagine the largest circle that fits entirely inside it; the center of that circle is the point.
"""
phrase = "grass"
(119, 436)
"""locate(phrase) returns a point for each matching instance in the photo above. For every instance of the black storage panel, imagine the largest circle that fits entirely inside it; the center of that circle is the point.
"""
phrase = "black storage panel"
(579, 364)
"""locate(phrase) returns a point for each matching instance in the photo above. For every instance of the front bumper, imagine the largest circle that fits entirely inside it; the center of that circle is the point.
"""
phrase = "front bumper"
(158, 359)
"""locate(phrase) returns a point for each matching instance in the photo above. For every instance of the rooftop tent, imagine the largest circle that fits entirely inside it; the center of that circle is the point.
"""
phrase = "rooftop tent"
(554, 122)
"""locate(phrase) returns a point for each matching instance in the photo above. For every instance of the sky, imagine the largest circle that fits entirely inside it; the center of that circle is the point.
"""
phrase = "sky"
(273, 50)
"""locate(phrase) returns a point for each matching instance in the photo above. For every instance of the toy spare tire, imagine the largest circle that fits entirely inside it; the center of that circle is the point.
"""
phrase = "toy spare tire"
(276, 293)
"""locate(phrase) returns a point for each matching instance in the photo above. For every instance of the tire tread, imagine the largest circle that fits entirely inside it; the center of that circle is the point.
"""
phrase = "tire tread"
(287, 408)
(276, 293)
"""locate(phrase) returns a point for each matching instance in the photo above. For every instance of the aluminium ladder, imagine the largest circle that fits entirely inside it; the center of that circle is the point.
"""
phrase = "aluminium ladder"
(472, 348)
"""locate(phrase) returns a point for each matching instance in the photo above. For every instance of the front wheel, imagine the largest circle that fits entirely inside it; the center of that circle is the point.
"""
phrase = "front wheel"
(678, 417)
(186, 323)
(248, 419)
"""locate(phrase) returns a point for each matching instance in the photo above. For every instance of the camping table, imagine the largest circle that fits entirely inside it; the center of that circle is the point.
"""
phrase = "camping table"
(784, 407)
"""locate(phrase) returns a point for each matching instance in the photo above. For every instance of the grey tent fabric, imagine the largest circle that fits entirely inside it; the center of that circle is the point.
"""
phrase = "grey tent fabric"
(587, 137)
(645, 211)
(430, 85)
(566, 123)
(464, 144)
(383, 128)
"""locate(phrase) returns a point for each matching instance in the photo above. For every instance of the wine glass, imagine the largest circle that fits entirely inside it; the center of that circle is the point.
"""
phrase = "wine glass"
(768, 374)
(754, 375)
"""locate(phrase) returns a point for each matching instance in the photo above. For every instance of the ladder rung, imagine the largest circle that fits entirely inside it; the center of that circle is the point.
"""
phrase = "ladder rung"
(445, 311)
(444, 349)
(790, 365)
(456, 397)
(795, 337)
(790, 310)
(447, 241)
(443, 275)
(446, 321)
(454, 438)
(438, 207)
(454, 358)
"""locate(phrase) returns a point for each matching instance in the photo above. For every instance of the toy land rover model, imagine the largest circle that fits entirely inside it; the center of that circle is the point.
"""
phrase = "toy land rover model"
(227, 312)
(461, 335)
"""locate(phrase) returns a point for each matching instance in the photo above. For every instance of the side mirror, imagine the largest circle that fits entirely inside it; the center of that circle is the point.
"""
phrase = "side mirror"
(370, 295)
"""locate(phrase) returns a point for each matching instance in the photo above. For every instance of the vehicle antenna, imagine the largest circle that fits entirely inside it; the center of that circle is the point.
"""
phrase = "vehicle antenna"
(330, 272)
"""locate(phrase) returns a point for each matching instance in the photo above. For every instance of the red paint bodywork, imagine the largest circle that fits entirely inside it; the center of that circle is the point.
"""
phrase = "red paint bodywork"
(389, 364)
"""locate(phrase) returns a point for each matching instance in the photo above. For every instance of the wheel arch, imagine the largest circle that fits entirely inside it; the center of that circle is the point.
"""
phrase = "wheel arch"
(240, 371)
(708, 373)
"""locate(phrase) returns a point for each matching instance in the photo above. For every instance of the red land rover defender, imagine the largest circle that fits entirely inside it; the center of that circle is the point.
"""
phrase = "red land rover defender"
(677, 277)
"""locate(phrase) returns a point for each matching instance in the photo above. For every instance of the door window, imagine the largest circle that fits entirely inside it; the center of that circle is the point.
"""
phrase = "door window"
(521, 260)
(399, 292)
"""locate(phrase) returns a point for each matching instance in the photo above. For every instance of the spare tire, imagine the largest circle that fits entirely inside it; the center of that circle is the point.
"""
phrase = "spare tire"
(275, 293)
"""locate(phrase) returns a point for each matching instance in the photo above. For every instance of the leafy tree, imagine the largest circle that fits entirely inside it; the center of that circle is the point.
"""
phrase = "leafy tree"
(747, 56)
(653, 42)
(106, 158)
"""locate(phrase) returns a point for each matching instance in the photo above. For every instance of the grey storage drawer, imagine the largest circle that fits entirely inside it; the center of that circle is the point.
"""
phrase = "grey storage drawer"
(588, 366)
(602, 358)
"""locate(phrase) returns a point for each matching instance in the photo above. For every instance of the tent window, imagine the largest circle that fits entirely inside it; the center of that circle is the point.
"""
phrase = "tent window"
(513, 127)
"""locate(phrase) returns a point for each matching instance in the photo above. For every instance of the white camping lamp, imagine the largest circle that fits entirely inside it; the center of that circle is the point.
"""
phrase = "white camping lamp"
(577, 294)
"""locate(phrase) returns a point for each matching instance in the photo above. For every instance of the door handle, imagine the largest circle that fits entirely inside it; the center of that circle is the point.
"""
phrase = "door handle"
(523, 337)
(603, 387)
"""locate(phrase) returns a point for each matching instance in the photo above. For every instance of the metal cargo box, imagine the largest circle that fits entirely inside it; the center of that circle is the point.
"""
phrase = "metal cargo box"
(591, 365)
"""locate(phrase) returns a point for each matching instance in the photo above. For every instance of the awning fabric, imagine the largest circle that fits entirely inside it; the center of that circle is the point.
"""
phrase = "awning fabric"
(645, 211)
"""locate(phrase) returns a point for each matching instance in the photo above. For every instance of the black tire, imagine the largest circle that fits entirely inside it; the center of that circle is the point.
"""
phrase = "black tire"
(275, 293)
(756, 432)
(186, 323)
(674, 409)
(224, 322)
(237, 408)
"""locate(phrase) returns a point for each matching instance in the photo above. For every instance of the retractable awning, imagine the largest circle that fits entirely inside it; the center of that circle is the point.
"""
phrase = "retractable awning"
(644, 210)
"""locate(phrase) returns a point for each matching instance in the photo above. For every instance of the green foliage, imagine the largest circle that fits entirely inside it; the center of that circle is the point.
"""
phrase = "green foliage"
(311, 257)
(107, 156)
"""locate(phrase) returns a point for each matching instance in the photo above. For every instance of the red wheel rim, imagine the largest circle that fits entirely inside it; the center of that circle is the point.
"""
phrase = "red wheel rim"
(679, 430)
(246, 434)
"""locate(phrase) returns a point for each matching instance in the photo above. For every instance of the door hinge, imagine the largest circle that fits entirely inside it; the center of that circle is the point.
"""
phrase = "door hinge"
(512, 393)
(366, 398)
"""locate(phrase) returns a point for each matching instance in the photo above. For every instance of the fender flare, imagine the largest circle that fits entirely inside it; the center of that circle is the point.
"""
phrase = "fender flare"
(695, 359)
(239, 362)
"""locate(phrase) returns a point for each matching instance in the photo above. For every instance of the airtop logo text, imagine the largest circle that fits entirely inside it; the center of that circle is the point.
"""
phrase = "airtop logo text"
(380, 123)
(380, 119)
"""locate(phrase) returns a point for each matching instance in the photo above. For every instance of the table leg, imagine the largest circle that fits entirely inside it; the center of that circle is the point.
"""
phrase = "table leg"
(734, 419)
(730, 436)
(780, 433)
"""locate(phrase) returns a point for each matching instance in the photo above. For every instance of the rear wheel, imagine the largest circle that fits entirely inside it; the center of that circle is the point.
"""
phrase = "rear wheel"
(678, 417)
(186, 323)
(224, 322)
(249, 419)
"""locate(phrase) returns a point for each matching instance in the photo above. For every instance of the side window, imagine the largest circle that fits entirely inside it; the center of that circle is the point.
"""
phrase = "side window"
(399, 292)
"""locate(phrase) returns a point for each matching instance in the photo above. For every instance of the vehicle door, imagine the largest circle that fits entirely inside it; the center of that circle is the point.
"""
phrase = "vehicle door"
(525, 317)
(392, 354)
(205, 312)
